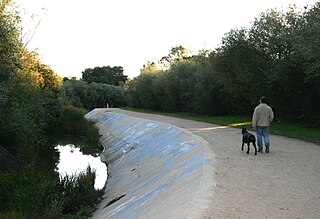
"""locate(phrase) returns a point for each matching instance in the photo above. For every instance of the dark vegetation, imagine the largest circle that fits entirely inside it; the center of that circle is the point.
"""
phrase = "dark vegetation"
(32, 112)
(34, 189)
(105, 75)
(278, 56)
(92, 95)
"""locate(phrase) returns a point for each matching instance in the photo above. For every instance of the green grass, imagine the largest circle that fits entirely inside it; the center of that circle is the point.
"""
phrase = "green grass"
(290, 130)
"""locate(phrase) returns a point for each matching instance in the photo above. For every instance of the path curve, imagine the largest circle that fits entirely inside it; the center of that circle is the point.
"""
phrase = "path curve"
(155, 169)
(282, 184)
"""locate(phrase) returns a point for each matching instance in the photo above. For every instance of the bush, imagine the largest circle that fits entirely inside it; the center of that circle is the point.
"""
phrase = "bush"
(78, 191)
(30, 194)
(73, 125)
(72, 121)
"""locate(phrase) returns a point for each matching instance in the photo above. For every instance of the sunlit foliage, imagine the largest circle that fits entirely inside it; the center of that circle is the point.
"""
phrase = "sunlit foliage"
(29, 91)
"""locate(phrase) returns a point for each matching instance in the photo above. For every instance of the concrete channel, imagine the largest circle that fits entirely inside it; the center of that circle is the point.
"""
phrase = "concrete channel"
(155, 169)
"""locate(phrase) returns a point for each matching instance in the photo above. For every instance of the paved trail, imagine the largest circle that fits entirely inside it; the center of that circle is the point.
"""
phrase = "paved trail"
(281, 184)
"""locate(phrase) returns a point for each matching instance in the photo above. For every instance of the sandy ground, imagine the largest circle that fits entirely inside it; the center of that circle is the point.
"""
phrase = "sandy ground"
(281, 184)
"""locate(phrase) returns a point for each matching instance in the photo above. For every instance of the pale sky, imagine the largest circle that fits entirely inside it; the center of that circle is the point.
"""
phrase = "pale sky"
(77, 34)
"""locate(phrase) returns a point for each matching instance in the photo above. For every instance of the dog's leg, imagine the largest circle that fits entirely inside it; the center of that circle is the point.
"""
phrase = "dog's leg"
(255, 148)
(242, 145)
(248, 148)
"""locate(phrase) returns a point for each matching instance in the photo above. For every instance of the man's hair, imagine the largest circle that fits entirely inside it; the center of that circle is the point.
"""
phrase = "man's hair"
(263, 99)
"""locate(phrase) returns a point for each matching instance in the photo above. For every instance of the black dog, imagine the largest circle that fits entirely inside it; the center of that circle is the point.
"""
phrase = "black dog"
(248, 138)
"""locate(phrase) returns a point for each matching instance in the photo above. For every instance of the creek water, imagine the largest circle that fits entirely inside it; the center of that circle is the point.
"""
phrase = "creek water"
(72, 161)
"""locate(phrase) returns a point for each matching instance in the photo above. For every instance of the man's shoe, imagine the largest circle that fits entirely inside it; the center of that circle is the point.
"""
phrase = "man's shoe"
(267, 149)
(260, 150)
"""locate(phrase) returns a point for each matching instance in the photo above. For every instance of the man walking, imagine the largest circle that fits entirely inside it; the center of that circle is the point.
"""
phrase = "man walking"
(261, 119)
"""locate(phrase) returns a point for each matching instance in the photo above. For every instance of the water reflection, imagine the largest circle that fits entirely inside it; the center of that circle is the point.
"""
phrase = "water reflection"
(73, 161)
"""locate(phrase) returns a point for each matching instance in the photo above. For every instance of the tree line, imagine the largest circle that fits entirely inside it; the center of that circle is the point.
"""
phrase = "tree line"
(29, 91)
(32, 95)
(98, 87)
(277, 56)
(86, 95)
(32, 109)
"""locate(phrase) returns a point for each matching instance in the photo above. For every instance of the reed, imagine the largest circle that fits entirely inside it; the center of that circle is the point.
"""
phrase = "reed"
(30, 194)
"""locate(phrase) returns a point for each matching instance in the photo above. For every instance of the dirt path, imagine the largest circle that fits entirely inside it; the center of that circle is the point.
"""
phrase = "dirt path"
(281, 184)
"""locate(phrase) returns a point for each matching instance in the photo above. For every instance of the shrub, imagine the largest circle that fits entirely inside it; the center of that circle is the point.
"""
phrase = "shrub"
(79, 192)
(72, 121)
(30, 194)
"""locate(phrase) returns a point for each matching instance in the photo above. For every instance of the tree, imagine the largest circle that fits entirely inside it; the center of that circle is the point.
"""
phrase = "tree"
(82, 94)
(106, 74)
(182, 74)
(176, 54)
(10, 44)
(29, 91)
(297, 76)
(150, 67)
(209, 95)
(278, 56)
(309, 44)
(241, 69)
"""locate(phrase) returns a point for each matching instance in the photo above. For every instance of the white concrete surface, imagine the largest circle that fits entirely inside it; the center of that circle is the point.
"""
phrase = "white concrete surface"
(156, 170)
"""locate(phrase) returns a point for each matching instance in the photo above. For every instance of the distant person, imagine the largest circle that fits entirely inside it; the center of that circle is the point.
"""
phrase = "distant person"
(261, 120)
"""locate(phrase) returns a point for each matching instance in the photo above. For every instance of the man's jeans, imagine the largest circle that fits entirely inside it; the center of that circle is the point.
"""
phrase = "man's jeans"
(263, 131)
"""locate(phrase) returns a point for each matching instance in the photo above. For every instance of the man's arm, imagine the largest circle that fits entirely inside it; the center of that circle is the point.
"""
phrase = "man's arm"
(254, 119)
(271, 116)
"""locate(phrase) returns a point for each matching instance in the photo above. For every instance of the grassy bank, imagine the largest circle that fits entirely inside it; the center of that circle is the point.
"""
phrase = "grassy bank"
(290, 130)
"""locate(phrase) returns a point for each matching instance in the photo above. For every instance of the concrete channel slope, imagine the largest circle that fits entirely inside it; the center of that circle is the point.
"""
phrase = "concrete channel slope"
(156, 170)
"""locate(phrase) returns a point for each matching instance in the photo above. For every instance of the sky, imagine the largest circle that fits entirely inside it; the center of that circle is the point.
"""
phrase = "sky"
(77, 34)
